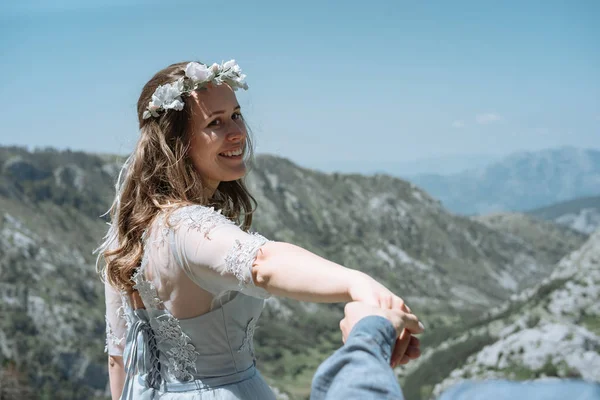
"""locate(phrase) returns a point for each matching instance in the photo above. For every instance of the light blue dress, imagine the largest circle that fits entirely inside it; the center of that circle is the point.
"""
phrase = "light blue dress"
(190, 256)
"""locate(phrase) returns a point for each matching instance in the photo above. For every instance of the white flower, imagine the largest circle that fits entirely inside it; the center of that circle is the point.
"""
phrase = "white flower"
(198, 72)
(168, 96)
(241, 82)
(236, 81)
(230, 64)
(232, 75)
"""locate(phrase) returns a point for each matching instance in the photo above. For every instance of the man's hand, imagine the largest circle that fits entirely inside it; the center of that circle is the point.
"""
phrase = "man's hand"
(404, 322)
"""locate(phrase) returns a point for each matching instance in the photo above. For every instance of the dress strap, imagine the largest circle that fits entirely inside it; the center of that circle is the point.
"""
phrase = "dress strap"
(136, 300)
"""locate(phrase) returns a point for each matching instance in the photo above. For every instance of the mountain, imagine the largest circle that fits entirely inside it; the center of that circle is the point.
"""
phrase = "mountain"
(382, 224)
(50, 297)
(552, 330)
(527, 228)
(581, 214)
(520, 182)
(549, 330)
(441, 165)
(450, 269)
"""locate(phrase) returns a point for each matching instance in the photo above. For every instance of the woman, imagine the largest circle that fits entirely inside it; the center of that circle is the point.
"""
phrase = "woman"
(184, 283)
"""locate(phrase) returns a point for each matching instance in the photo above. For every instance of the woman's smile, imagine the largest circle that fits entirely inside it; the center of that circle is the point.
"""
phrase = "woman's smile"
(235, 154)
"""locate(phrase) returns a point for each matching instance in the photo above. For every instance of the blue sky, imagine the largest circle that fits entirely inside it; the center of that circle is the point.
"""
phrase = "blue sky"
(330, 82)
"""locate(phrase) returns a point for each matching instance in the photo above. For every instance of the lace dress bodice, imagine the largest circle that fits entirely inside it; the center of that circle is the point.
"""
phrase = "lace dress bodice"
(201, 304)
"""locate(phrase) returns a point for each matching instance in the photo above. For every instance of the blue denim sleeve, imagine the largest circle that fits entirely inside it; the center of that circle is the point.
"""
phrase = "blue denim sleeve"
(361, 368)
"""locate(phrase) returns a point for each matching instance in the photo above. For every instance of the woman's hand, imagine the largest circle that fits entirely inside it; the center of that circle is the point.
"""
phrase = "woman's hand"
(365, 289)
(407, 348)
(355, 311)
(403, 322)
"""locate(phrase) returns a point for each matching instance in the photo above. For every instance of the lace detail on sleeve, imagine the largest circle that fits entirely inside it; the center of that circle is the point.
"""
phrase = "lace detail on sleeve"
(240, 258)
(111, 338)
(118, 321)
(125, 311)
(201, 218)
(183, 354)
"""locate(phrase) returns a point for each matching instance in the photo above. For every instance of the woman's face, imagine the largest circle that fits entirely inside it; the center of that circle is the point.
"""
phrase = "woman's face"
(217, 136)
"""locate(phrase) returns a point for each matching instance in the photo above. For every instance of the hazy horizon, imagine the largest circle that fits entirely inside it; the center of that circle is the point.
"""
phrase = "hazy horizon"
(409, 168)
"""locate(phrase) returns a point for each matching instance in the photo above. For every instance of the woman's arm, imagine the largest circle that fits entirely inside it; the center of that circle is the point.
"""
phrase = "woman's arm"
(116, 375)
(219, 256)
(287, 270)
(116, 329)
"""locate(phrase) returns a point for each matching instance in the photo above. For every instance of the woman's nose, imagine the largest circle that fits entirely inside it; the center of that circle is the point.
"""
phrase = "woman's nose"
(236, 135)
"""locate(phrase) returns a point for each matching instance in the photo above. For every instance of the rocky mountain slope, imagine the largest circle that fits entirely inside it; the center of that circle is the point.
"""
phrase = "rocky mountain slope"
(520, 182)
(553, 331)
(581, 214)
(50, 298)
(529, 229)
(549, 330)
(449, 268)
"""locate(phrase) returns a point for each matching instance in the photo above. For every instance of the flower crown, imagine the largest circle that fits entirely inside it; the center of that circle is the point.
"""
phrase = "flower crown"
(197, 76)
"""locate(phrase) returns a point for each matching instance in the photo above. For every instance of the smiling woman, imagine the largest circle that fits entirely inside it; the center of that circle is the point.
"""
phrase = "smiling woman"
(185, 282)
(218, 136)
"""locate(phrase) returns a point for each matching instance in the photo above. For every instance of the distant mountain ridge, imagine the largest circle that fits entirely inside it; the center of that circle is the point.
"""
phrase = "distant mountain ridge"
(520, 182)
(581, 214)
(440, 165)
(448, 268)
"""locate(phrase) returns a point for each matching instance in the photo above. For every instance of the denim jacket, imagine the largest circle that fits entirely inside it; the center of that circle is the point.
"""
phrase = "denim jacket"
(361, 368)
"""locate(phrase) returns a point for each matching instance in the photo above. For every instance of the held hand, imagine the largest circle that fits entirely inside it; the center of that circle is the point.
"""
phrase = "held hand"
(405, 323)
(407, 348)
(367, 290)
(401, 321)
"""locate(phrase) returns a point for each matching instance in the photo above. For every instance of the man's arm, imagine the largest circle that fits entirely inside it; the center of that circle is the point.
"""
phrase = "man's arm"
(361, 368)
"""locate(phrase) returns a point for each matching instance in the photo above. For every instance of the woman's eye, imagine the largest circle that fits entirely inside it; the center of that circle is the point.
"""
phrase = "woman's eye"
(219, 121)
(215, 122)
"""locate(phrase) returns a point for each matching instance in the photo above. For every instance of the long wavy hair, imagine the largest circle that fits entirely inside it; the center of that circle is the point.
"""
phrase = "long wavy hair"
(159, 175)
